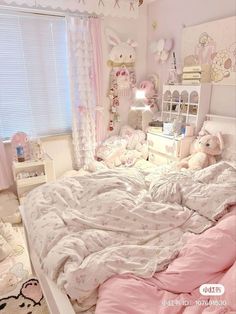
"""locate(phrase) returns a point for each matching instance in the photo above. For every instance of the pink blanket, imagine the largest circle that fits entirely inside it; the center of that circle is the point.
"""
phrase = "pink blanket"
(206, 258)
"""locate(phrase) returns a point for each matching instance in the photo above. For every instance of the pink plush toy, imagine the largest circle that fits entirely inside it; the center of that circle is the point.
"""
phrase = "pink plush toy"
(206, 148)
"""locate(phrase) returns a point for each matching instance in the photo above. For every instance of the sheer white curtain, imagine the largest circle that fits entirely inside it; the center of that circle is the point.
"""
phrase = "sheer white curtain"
(82, 88)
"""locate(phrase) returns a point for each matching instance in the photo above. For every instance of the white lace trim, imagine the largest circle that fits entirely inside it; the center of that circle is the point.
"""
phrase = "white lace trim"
(120, 8)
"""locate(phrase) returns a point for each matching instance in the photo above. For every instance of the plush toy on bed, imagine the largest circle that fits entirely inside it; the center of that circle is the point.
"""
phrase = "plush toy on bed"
(206, 148)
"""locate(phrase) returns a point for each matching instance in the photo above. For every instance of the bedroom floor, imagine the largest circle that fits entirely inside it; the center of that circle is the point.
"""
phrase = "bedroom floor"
(18, 285)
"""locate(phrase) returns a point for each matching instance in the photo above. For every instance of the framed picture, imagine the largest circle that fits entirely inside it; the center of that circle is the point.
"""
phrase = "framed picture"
(213, 46)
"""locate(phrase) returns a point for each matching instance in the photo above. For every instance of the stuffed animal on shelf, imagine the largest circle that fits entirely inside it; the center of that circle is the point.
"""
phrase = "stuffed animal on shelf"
(206, 148)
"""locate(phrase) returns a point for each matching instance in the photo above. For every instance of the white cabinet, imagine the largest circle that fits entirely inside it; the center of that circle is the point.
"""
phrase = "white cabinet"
(191, 102)
(164, 149)
(30, 174)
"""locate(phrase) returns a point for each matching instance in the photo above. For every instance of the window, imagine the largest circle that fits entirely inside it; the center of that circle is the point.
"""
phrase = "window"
(34, 91)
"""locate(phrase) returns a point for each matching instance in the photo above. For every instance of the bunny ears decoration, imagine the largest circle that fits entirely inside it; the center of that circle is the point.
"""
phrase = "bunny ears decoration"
(161, 49)
(114, 40)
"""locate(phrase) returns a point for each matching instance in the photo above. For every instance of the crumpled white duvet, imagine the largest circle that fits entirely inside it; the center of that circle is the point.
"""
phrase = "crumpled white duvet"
(86, 229)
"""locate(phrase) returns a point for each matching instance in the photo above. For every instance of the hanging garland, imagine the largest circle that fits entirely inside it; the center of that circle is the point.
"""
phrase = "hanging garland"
(122, 74)
(116, 8)
(117, 3)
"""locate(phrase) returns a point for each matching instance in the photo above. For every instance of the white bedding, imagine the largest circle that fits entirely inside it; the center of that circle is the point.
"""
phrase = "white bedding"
(87, 228)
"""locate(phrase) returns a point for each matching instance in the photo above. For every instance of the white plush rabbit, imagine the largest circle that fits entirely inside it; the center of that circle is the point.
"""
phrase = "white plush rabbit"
(123, 52)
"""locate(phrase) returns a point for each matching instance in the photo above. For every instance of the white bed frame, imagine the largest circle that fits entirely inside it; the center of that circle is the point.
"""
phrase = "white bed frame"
(57, 301)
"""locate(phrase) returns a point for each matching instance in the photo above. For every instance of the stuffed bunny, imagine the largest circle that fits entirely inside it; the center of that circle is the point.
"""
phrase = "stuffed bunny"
(206, 148)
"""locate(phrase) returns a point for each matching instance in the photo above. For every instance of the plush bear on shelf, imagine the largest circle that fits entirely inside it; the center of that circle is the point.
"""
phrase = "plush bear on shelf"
(206, 148)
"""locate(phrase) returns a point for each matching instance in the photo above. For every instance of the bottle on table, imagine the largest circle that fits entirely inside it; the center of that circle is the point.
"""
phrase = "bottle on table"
(20, 153)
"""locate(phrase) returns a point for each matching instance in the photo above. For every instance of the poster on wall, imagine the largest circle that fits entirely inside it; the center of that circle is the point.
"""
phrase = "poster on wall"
(213, 46)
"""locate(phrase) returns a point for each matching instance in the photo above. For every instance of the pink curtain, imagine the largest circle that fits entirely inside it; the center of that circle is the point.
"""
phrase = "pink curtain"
(96, 38)
(5, 173)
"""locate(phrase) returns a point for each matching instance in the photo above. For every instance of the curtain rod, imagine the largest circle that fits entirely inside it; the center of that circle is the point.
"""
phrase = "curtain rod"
(47, 13)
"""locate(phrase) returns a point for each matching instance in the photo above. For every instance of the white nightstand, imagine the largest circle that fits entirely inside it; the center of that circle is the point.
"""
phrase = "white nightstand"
(25, 175)
(164, 149)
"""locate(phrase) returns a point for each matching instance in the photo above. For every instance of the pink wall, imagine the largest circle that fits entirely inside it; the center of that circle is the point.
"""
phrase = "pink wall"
(171, 15)
(135, 29)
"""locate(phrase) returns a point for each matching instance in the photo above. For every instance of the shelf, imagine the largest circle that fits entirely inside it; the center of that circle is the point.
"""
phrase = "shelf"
(193, 104)
(172, 112)
(180, 103)
(171, 102)
(28, 164)
(31, 181)
(180, 114)
(191, 115)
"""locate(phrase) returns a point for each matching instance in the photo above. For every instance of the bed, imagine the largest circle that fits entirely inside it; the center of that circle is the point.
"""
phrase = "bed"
(134, 234)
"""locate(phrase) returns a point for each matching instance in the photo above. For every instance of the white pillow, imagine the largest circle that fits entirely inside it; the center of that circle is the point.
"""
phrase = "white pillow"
(229, 151)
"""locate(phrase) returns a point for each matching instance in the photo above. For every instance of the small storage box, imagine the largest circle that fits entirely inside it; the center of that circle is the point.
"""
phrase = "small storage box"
(168, 128)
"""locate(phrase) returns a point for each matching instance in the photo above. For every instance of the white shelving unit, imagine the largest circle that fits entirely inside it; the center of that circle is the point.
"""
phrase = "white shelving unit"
(191, 102)
(45, 173)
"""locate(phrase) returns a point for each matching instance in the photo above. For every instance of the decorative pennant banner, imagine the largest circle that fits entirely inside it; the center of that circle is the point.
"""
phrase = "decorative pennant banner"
(118, 8)
(100, 2)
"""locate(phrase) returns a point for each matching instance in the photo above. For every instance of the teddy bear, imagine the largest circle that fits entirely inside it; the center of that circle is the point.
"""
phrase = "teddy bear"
(206, 148)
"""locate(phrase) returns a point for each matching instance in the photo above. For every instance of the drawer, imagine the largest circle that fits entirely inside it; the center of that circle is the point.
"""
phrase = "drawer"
(158, 159)
(164, 145)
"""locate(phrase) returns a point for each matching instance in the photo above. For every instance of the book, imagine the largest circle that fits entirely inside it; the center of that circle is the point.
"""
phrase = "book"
(191, 75)
(194, 68)
(191, 82)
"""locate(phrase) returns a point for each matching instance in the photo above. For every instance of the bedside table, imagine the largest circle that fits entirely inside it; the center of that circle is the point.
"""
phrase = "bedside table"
(164, 149)
(32, 173)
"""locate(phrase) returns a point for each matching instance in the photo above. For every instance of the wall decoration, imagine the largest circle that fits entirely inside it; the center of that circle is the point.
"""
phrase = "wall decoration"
(118, 8)
(154, 25)
(100, 2)
(213, 46)
(122, 75)
(161, 49)
(117, 4)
